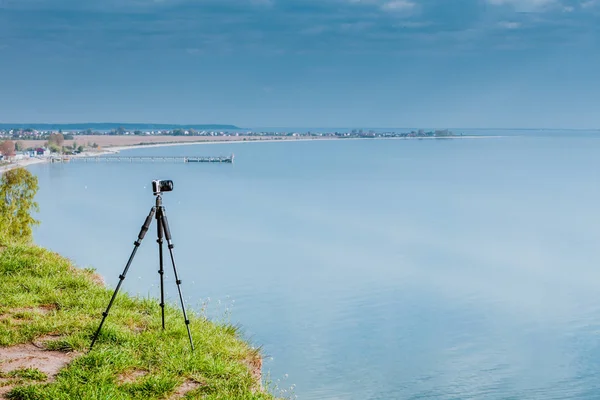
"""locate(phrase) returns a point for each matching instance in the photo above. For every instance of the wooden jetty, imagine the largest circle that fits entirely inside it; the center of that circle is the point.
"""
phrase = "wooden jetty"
(132, 159)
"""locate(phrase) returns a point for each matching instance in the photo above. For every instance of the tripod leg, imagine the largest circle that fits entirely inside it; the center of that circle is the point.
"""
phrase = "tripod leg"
(161, 271)
(165, 225)
(122, 276)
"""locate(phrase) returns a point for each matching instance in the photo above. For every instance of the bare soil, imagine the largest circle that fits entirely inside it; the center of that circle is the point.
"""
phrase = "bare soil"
(182, 390)
(255, 366)
(132, 376)
(31, 355)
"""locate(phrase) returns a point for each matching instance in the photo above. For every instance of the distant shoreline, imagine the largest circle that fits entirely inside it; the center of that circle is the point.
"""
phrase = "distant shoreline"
(106, 126)
(278, 140)
(229, 140)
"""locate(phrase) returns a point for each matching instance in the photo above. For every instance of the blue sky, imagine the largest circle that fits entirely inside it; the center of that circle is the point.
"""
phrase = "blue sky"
(327, 63)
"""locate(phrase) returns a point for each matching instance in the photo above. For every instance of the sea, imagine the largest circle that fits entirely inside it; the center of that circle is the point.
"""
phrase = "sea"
(460, 268)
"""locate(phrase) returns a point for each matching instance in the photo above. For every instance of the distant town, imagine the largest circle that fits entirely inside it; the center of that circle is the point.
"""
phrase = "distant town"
(51, 142)
(39, 134)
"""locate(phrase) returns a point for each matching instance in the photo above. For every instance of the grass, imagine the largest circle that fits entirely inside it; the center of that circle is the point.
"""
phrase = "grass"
(41, 294)
(25, 373)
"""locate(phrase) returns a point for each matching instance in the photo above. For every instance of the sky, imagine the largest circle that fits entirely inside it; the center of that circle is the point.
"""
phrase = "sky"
(303, 63)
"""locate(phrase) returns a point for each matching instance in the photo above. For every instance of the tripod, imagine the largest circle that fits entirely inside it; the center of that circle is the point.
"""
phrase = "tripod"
(163, 228)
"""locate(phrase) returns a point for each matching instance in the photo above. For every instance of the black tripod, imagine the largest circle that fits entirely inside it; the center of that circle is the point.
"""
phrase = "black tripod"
(163, 227)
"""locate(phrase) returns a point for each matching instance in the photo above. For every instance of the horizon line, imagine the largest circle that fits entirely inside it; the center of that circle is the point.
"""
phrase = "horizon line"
(290, 127)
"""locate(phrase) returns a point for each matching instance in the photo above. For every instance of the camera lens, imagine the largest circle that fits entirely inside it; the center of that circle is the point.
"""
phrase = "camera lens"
(166, 186)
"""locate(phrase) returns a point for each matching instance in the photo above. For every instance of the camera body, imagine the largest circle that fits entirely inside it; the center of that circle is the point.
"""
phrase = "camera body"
(162, 186)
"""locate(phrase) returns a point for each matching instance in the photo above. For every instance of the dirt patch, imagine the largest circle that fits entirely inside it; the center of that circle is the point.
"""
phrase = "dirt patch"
(131, 376)
(33, 356)
(187, 386)
(98, 279)
(255, 366)
(91, 275)
(42, 341)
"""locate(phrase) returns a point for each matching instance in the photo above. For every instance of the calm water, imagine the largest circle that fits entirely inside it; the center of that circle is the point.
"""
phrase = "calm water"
(400, 269)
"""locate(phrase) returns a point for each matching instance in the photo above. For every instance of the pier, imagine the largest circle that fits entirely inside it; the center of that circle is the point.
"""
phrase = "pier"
(132, 159)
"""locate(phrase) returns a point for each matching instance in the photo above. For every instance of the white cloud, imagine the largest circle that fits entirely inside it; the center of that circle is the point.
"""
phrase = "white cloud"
(193, 51)
(525, 5)
(355, 26)
(389, 6)
(413, 24)
(589, 3)
(314, 30)
(509, 25)
(262, 2)
(398, 5)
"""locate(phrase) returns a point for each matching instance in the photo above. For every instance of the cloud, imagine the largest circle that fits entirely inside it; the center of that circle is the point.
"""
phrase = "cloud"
(193, 51)
(509, 24)
(355, 26)
(213, 27)
(398, 5)
(589, 4)
(262, 2)
(314, 30)
(394, 6)
(413, 24)
(525, 5)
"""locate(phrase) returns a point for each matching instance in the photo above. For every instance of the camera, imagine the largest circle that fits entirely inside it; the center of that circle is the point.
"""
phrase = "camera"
(162, 186)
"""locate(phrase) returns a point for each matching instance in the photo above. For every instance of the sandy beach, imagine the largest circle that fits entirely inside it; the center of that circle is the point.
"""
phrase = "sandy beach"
(21, 163)
(26, 162)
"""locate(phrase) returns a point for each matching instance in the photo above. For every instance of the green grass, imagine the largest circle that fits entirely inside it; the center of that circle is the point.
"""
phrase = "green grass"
(41, 293)
(25, 373)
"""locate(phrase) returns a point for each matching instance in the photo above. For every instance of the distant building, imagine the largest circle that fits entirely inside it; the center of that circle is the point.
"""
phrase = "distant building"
(40, 151)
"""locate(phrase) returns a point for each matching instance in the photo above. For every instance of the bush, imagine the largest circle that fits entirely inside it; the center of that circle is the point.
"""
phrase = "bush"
(17, 192)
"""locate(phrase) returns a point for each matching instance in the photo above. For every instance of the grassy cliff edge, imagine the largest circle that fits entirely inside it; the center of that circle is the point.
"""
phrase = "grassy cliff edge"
(44, 298)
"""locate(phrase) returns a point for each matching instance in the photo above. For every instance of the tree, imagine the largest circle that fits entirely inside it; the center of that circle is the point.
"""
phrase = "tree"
(80, 149)
(57, 139)
(60, 139)
(7, 148)
(19, 146)
(17, 192)
(54, 148)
